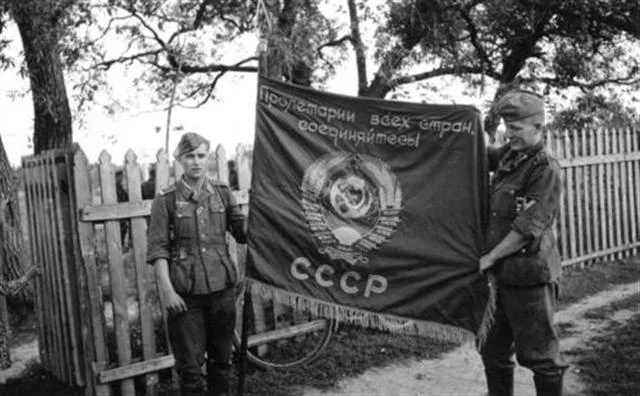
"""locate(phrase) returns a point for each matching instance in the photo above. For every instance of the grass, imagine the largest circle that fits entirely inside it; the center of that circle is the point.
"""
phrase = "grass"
(353, 350)
(610, 363)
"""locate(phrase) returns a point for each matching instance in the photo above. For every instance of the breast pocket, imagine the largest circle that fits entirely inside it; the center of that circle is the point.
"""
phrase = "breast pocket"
(504, 201)
(218, 216)
(185, 221)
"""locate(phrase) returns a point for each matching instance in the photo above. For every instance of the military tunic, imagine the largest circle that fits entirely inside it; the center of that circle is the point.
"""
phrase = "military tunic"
(188, 229)
(525, 196)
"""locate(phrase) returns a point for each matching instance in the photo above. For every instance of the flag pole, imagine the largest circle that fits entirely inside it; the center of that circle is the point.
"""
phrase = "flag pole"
(244, 340)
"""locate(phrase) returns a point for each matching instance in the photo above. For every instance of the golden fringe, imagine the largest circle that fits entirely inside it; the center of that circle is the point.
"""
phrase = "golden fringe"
(341, 313)
(489, 312)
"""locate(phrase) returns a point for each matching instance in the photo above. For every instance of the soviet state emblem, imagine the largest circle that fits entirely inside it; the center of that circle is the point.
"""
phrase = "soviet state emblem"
(352, 204)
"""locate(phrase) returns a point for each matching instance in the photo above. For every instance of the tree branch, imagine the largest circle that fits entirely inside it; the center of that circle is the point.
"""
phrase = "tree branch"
(443, 71)
(123, 59)
(358, 46)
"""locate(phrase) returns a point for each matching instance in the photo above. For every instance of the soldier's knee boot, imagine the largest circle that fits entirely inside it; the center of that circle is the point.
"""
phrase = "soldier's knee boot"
(500, 382)
(548, 385)
(218, 379)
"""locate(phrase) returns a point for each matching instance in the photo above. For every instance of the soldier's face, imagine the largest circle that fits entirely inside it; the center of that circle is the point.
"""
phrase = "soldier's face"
(194, 162)
(521, 135)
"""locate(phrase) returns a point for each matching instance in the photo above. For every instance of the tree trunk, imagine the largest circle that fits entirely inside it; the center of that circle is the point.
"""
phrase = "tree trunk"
(12, 249)
(37, 22)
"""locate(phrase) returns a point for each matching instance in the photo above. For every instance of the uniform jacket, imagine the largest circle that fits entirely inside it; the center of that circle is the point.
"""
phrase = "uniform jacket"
(189, 231)
(525, 194)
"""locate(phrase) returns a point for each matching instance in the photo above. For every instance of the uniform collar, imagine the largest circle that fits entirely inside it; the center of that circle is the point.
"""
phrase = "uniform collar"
(511, 159)
(189, 193)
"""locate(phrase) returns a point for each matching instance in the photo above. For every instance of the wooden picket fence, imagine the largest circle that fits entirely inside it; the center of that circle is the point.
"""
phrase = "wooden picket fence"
(101, 322)
(600, 209)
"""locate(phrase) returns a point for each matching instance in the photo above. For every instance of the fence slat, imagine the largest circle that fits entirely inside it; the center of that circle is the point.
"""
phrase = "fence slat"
(144, 276)
(579, 189)
(51, 269)
(624, 193)
(116, 272)
(571, 229)
(93, 329)
(593, 213)
(617, 220)
(63, 216)
(44, 342)
(635, 188)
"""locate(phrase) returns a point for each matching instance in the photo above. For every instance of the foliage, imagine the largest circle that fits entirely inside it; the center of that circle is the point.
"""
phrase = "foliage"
(596, 110)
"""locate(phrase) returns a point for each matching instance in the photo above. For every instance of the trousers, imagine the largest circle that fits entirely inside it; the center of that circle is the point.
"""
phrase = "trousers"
(204, 334)
(523, 326)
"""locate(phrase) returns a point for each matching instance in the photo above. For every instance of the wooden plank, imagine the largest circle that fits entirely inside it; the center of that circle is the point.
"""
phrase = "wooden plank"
(66, 274)
(571, 228)
(58, 361)
(61, 273)
(162, 181)
(116, 272)
(222, 165)
(601, 253)
(616, 193)
(91, 299)
(599, 159)
(593, 208)
(586, 196)
(602, 192)
(136, 369)
(63, 315)
(635, 187)
(609, 184)
(624, 191)
(116, 211)
(243, 164)
(579, 197)
(144, 274)
(564, 231)
(43, 339)
(259, 321)
(286, 332)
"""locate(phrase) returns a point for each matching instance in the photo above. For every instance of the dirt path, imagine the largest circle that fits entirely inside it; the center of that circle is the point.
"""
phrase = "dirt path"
(460, 371)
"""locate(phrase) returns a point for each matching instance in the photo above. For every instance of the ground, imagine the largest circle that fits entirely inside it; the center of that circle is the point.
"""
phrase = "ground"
(460, 371)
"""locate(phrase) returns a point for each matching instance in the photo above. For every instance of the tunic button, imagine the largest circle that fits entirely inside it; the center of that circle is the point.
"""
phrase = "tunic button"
(494, 214)
(204, 235)
(204, 249)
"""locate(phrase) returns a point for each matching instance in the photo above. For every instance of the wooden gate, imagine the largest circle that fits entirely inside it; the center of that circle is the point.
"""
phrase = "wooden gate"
(49, 201)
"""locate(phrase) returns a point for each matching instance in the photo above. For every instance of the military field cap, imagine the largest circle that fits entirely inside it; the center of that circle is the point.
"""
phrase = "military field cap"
(189, 142)
(521, 105)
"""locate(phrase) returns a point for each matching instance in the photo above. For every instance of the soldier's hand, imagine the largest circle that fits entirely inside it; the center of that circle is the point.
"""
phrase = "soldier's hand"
(486, 262)
(175, 304)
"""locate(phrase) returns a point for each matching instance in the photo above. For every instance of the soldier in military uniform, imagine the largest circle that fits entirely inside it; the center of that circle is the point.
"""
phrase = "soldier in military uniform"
(522, 251)
(187, 246)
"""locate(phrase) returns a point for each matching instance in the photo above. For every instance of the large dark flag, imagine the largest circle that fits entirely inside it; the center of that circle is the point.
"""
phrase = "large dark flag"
(369, 210)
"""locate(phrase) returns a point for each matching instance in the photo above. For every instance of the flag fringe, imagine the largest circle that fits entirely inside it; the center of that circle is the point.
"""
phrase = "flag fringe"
(376, 320)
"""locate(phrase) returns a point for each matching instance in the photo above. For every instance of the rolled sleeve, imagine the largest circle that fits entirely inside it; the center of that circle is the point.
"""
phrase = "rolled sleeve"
(158, 244)
(544, 189)
(235, 219)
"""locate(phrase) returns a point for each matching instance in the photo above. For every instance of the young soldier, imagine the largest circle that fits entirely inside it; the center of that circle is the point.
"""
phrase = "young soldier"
(196, 276)
(525, 193)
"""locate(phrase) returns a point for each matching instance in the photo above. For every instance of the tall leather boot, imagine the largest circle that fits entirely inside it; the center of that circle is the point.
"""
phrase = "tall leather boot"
(548, 385)
(218, 379)
(500, 382)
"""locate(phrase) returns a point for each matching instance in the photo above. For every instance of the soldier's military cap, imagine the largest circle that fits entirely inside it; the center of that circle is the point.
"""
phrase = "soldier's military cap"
(521, 105)
(189, 142)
